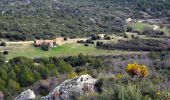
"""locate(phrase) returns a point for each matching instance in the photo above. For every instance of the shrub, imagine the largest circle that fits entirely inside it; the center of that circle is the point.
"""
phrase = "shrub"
(71, 75)
(5, 52)
(3, 44)
(128, 92)
(65, 39)
(98, 85)
(81, 41)
(72, 37)
(137, 70)
(86, 44)
(95, 37)
(129, 29)
(99, 43)
(45, 47)
(107, 37)
(64, 67)
(89, 41)
(125, 36)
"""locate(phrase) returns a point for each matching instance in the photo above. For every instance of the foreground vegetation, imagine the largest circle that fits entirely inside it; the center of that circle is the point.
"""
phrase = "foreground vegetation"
(119, 76)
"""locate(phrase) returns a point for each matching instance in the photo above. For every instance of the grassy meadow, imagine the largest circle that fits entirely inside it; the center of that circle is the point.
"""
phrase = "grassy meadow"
(29, 50)
(140, 26)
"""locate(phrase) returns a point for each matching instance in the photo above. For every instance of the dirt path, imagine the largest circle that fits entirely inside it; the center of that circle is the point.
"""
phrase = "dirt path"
(72, 40)
(61, 42)
(20, 42)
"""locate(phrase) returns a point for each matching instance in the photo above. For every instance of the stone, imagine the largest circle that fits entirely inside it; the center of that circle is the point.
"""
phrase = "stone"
(1, 95)
(77, 85)
(26, 95)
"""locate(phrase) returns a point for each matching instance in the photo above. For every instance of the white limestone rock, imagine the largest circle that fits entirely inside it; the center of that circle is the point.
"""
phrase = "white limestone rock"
(78, 85)
(26, 95)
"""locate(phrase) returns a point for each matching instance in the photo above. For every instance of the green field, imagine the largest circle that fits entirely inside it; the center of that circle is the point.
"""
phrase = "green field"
(65, 50)
(140, 26)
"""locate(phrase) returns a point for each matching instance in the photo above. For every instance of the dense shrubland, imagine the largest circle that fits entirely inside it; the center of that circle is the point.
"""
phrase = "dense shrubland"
(153, 33)
(23, 20)
(123, 77)
(22, 72)
(137, 44)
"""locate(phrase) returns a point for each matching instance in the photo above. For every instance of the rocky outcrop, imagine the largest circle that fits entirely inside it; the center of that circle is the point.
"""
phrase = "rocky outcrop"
(26, 95)
(68, 88)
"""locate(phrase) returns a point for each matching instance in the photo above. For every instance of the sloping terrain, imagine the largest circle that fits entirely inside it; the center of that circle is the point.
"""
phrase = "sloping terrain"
(28, 19)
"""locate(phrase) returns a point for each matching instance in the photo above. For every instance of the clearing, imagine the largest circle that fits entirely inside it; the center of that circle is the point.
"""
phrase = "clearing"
(30, 51)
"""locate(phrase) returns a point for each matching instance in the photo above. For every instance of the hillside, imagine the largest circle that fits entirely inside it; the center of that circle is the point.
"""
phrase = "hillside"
(85, 49)
(28, 19)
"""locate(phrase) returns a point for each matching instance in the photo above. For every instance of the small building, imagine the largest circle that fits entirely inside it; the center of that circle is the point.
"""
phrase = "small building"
(51, 43)
(58, 40)
(38, 43)
(130, 20)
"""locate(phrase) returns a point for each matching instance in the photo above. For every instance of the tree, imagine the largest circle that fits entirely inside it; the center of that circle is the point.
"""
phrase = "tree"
(99, 43)
(37, 76)
(54, 72)
(3, 74)
(97, 63)
(3, 44)
(65, 38)
(45, 47)
(12, 74)
(13, 85)
(81, 60)
(64, 67)
(5, 52)
(129, 29)
(2, 59)
(2, 84)
(86, 44)
(44, 72)
(27, 78)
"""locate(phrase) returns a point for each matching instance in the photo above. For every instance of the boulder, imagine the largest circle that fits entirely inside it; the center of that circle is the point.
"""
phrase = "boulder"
(72, 87)
(26, 95)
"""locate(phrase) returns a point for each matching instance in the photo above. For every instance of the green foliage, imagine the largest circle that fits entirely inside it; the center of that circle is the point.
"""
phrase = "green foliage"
(13, 85)
(3, 74)
(2, 59)
(12, 75)
(21, 72)
(27, 78)
(44, 72)
(128, 92)
(64, 67)
(45, 47)
(81, 59)
(97, 63)
(2, 84)
(37, 76)
(154, 55)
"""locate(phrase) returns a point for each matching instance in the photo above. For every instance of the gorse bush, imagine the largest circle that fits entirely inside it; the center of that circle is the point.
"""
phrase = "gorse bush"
(137, 70)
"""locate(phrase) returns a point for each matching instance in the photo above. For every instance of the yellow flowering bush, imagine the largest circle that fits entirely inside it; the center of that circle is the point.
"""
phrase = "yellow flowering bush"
(119, 76)
(71, 75)
(137, 70)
